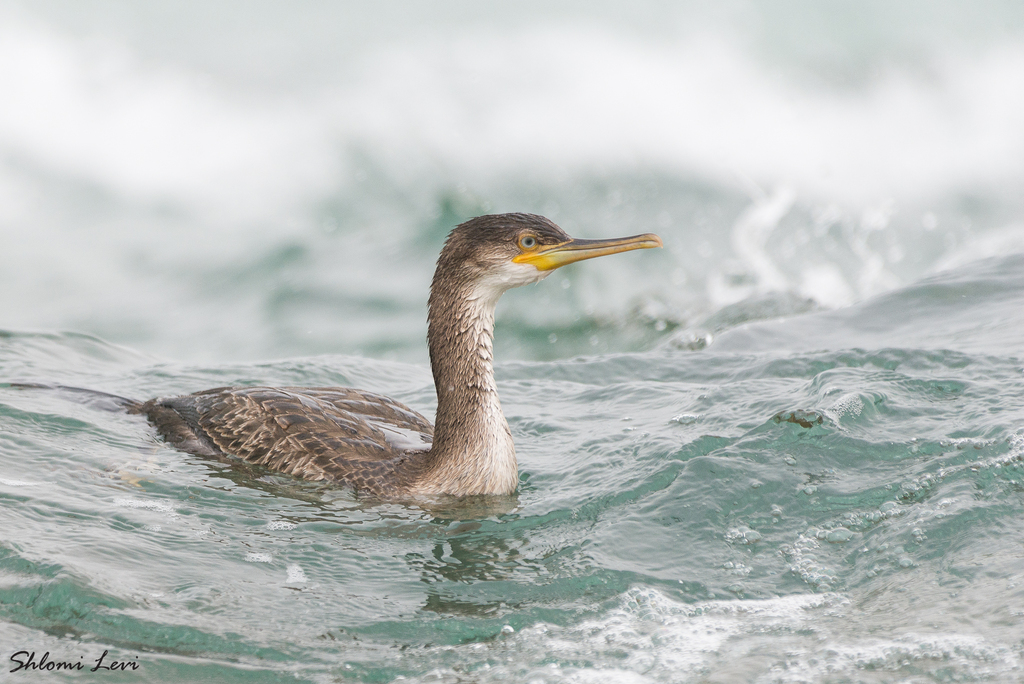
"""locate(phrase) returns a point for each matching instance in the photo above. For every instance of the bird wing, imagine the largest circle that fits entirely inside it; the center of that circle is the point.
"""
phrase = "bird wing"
(314, 433)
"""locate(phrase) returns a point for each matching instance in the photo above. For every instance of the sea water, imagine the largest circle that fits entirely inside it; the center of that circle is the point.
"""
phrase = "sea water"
(788, 447)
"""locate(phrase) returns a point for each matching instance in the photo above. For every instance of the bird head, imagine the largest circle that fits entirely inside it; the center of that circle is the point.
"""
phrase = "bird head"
(498, 252)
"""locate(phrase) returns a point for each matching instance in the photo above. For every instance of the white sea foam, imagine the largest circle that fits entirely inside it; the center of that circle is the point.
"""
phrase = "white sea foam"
(159, 506)
(847, 404)
(295, 575)
(657, 636)
(651, 637)
(259, 557)
(845, 180)
(549, 101)
(700, 105)
(17, 483)
(545, 97)
(92, 110)
(280, 525)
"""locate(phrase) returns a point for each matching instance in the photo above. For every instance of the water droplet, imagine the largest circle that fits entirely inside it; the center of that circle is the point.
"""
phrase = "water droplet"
(840, 535)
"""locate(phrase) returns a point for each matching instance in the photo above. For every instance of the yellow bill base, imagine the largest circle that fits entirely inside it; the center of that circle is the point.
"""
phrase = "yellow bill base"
(548, 258)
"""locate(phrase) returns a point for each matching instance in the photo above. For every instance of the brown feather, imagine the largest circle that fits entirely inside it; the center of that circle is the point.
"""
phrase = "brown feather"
(324, 433)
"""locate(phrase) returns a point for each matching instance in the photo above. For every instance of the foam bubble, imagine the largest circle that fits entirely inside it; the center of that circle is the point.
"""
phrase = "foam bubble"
(295, 575)
(257, 557)
(159, 506)
(847, 404)
(280, 525)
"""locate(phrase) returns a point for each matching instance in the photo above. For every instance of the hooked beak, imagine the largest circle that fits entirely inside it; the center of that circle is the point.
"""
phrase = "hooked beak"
(549, 258)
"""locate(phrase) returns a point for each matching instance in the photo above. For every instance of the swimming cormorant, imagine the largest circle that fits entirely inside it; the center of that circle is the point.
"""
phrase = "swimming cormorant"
(373, 443)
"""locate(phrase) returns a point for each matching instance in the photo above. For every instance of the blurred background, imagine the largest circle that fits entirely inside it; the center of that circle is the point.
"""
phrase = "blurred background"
(248, 180)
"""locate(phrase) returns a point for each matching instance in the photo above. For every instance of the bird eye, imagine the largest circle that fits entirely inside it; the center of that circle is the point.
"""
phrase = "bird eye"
(528, 242)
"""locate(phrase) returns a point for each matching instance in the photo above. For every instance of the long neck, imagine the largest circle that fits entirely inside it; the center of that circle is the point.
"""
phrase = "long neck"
(472, 452)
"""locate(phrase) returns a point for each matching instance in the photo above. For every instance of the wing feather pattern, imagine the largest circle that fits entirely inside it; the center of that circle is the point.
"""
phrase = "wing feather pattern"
(321, 433)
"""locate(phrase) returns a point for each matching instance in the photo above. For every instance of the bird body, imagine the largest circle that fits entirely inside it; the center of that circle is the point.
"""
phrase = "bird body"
(375, 444)
(325, 433)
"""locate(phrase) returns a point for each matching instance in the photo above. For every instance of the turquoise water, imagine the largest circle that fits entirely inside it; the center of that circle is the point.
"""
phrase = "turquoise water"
(789, 447)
